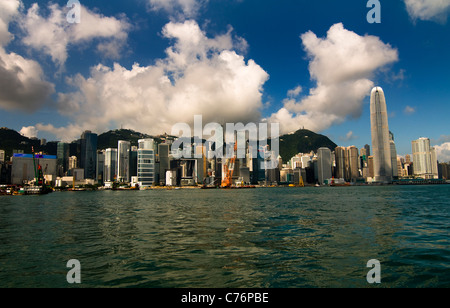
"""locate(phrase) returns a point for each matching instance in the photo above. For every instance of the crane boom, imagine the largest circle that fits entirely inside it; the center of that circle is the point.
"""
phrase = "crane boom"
(229, 169)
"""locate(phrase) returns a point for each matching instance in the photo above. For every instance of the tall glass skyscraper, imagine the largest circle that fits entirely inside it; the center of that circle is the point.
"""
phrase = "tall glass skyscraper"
(62, 158)
(146, 163)
(110, 165)
(381, 148)
(123, 161)
(88, 156)
(324, 165)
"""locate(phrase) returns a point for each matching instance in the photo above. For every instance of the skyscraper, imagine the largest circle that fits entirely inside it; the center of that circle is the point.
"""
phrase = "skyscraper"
(146, 163)
(164, 161)
(123, 161)
(88, 156)
(347, 163)
(394, 159)
(339, 153)
(381, 149)
(324, 165)
(424, 158)
(62, 158)
(110, 165)
(100, 166)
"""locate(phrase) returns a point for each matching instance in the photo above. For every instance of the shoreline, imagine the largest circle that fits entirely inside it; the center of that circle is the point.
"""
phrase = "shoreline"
(10, 190)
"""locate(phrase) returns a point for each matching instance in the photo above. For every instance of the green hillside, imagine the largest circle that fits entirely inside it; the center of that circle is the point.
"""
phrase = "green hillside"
(111, 138)
(11, 140)
(303, 141)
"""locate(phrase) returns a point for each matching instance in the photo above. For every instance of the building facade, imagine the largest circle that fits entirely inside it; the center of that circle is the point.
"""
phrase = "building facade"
(146, 163)
(381, 149)
(110, 165)
(62, 154)
(88, 155)
(24, 168)
(164, 161)
(347, 163)
(424, 159)
(324, 165)
(123, 161)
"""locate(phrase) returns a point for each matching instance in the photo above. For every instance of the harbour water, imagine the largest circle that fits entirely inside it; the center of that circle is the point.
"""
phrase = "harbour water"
(251, 238)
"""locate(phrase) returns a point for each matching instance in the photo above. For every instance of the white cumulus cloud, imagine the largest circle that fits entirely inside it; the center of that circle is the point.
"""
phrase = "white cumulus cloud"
(30, 131)
(428, 9)
(22, 81)
(54, 35)
(186, 8)
(409, 110)
(342, 65)
(199, 75)
(8, 10)
(443, 152)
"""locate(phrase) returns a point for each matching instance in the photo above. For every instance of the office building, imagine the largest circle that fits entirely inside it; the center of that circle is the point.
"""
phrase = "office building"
(88, 154)
(364, 162)
(393, 156)
(73, 162)
(444, 171)
(2, 156)
(24, 168)
(62, 154)
(164, 161)
(424, 159)
(123, 161)
(339, 154)
(110, 165)
(371, 168)
(352, 164)
(146, 163)
(100, 167)
(381, 149)
(133, 161)
(323, 165)
(347, 163)
(367, 148)
(407, 159)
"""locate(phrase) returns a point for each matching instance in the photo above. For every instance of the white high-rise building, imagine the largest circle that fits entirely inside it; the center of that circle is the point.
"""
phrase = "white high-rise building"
(123, 161)
(381, 148)
(110, 164)
(424, 159)
(146, 163)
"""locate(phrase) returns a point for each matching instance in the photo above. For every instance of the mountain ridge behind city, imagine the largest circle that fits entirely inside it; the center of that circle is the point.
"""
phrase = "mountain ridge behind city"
(301, 141)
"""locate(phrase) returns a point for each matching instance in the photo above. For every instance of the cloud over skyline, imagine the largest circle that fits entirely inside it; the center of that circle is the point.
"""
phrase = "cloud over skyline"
(215, 58)
(54, 35)
(199, 75)
(342, 65)
(443, 152)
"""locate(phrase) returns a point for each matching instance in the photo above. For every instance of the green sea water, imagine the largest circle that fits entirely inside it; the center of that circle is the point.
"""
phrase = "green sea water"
(249, 238)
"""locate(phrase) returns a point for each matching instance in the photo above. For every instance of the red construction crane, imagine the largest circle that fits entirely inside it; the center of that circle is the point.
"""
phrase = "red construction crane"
(228, 170)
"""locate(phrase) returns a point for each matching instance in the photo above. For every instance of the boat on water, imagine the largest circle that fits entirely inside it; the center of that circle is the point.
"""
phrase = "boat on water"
(28, 190)
(37, 190)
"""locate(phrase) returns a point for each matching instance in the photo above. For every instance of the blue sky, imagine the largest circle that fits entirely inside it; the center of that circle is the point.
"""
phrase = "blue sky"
(147, 64)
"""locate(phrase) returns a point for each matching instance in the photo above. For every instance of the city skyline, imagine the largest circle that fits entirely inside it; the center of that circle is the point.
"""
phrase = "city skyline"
(294, 69)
